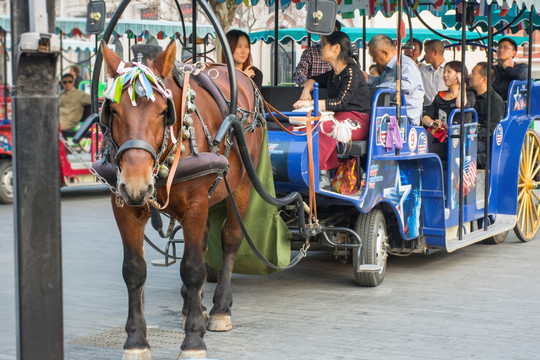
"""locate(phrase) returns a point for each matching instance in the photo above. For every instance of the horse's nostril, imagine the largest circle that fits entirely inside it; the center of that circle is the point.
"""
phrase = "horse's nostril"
(122, 187)
(150, 188)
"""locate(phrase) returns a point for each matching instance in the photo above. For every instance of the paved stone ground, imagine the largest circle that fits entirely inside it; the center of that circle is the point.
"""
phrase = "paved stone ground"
(482, 302)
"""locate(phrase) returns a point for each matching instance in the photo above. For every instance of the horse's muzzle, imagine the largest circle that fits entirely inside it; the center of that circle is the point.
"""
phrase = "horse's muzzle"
(135, 193)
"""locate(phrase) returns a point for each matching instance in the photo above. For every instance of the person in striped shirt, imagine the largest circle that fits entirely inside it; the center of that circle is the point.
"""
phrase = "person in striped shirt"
(311, 62)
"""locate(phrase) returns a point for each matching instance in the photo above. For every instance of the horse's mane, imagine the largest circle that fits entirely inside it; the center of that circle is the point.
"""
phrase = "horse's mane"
(148, 52)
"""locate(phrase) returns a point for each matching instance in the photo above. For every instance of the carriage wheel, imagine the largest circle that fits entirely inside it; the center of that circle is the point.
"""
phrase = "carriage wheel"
(528, 214)
(497, 239)
(6, 182)
(372, 230)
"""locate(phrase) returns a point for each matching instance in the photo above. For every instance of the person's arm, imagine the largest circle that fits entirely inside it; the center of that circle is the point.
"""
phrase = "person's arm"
(516, 72)
(258, 78)
(350, 81)
(430, 115)
(85, 98)
(301, 72)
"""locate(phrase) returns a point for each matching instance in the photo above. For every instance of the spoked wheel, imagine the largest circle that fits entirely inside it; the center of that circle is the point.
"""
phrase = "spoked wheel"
(528, 214)
(372, 230)
(6, 182)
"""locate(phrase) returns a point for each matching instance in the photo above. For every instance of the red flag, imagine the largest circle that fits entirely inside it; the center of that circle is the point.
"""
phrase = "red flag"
(401, 30)
(504, 10)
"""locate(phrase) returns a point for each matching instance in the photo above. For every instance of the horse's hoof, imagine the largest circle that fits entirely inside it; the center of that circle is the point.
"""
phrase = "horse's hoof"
(204, 315)
(219, 323)
(192, 354)
(137, 354)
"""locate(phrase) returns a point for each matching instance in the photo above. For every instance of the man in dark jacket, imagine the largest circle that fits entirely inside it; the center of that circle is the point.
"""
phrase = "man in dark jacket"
(478, 81)
(507, 70)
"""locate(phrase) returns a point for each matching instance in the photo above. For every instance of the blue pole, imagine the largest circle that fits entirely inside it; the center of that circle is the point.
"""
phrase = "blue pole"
(315, 99)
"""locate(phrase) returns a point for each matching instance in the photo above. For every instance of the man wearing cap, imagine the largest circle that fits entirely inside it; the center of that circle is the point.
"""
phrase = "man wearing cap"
(507, 70)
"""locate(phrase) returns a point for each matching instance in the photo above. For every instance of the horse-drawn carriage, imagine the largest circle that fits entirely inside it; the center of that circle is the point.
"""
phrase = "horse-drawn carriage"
(181, 138)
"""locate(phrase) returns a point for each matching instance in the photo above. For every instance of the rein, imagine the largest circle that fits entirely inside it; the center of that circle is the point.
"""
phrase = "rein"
(174, 165)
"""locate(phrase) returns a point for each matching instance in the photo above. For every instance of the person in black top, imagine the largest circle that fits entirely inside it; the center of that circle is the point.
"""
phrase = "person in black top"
(478, 81)
(241, 49)
(348, 98)
(507, 70)
(437, 114)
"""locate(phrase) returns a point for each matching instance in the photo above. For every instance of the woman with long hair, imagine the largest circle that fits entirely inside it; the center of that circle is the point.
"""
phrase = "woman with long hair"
(348, 98)
(436, 115)
(241, 49)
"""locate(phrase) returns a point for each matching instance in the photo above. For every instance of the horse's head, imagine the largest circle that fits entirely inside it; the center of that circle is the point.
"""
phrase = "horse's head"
(138, 111)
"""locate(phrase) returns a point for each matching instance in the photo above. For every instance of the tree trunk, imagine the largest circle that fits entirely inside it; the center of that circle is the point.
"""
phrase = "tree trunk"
(225, 12)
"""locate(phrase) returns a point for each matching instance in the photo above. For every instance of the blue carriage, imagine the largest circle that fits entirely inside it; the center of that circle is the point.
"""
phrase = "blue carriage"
(408, 201)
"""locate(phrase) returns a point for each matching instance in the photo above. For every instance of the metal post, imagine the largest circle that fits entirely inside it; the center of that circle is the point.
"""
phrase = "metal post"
(488, 120)
(398, 69)
(364, 42)
(38, 266)
(529, 67)
(276, 41)
(6, 58)
(462, 117)
(194, 30)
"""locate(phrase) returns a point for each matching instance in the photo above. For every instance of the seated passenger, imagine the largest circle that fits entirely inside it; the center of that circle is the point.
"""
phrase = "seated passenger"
(348, 98)
(436, 115)
(241, 49)
(374, 70)
(507, 70)
(71, 104)
(384, 53)
(311, 64)
(478, 82)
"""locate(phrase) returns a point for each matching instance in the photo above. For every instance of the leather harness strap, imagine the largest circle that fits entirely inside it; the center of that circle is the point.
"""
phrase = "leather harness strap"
(174, 165)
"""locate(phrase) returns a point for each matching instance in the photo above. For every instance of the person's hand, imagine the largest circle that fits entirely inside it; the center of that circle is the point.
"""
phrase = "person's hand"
(306, 94)
(249, 71)
(507, 63)
(438, 124)
(302, 103)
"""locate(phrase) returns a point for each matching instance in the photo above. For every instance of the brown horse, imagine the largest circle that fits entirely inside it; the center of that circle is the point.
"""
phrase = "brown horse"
(134, 120)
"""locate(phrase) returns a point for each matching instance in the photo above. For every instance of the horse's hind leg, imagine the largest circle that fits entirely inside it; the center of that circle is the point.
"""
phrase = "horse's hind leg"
(131, 222)
(193, 272)
(231, 238)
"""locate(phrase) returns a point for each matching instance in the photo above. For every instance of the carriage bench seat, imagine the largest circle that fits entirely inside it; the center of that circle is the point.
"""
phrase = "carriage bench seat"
(354, 148)
(188, 168)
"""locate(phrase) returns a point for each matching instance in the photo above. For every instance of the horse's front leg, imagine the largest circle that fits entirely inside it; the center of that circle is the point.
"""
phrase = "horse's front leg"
(131, 222)
(193, 272)
(231, 238)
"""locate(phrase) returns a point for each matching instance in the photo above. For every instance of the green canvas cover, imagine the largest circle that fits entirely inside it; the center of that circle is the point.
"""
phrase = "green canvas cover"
(263, 223)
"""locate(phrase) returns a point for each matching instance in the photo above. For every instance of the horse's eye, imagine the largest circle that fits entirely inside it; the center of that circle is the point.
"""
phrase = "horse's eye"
(114, 112)
(163, 113)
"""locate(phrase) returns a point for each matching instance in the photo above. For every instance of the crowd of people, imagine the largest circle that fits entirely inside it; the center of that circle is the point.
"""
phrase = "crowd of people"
(432, 89)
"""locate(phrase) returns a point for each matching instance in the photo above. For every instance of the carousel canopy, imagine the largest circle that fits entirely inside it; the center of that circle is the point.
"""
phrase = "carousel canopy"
(499, 19)
(299, 34)
(161, 29)
(439, 8)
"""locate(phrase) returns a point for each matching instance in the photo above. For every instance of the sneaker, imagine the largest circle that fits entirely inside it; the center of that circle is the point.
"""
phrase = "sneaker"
(325, 180)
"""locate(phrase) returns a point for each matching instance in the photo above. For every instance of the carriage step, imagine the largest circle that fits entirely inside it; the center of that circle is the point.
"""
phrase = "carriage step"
(370, 268)
(163, 263)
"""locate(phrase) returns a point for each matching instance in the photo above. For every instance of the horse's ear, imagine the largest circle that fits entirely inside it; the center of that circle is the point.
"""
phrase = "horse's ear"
(164, 62)
(111, 59)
